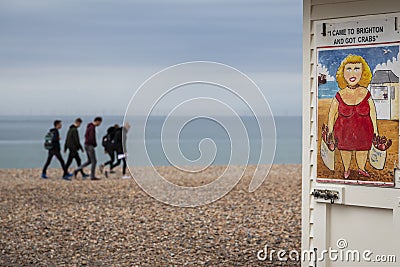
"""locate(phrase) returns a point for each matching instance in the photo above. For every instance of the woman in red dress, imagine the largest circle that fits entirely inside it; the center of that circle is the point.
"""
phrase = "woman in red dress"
(352, 114)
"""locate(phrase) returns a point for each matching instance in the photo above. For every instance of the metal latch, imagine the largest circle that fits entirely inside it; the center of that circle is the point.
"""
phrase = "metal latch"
(326, 194)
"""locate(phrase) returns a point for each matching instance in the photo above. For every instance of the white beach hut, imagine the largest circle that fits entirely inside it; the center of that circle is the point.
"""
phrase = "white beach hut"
(346, 224)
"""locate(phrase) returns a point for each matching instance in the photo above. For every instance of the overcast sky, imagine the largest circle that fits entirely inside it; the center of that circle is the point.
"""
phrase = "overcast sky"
(89, 57)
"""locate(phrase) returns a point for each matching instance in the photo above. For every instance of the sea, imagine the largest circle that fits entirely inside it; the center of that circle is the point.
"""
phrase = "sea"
(22, 138)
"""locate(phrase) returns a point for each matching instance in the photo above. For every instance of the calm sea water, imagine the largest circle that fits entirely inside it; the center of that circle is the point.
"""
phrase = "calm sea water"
(21, 140)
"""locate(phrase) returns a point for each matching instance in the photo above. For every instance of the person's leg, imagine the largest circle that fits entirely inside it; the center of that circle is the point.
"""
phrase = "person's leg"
(115, 164)
(61, 160)
(77, 158)
(92, 155)
(361, 158)
(69, 160)
(88, 161)
(346, 159)
(118, 162)
(123, 166)
(78, 161)
(112, 158)
(110, 162)
(94, 162)
(48, 161)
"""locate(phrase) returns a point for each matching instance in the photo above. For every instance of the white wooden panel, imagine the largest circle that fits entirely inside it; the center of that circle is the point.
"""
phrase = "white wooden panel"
(320, 229)
(365, 196)
(354, 8)
(376, 233)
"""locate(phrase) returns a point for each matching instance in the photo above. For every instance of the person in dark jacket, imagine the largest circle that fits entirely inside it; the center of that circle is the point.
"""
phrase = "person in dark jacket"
(109, 148)
(120, 148)
(90, 145)
(56, 151)
(73, 144)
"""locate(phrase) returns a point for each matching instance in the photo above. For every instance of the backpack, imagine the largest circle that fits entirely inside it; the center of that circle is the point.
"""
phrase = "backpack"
(106, 141)
(48, 140)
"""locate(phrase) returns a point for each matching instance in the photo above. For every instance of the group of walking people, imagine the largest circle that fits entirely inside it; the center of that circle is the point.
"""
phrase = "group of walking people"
(113, 142)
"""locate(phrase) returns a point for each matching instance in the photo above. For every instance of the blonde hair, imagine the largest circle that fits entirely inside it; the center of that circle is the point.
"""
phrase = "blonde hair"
(366, 76)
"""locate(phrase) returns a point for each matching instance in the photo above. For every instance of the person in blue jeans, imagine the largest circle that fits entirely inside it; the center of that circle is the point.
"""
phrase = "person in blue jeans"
(56, 151)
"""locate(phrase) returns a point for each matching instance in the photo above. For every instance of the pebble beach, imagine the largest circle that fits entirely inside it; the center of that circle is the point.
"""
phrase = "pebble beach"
(113, 222)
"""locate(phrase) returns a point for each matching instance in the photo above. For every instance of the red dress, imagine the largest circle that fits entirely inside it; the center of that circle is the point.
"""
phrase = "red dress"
(353, 127)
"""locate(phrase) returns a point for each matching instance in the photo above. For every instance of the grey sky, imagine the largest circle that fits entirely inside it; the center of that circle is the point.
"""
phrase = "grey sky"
(89, 57)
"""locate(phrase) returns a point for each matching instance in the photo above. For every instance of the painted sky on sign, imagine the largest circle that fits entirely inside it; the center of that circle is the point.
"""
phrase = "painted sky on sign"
(374, 56)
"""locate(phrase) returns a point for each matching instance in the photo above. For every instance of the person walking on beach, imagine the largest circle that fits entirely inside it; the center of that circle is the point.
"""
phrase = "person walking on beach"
(120, 147)
(90, 145)
(54, 149)
(73, 144)
(108, 143)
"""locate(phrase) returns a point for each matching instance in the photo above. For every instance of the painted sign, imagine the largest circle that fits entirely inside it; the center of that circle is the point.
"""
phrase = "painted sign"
(362, 32)
(358, 101)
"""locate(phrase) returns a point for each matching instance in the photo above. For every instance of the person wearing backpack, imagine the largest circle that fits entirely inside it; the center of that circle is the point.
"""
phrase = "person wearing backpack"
(120, 148)
(90, 145)
(108, 142)
(52, 144)
(73, 144)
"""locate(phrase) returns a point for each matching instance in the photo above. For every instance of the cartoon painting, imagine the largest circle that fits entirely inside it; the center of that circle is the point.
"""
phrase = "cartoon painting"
(358, 127)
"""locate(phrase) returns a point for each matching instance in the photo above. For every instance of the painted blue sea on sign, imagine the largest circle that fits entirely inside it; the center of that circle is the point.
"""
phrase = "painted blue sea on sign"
(327, 90)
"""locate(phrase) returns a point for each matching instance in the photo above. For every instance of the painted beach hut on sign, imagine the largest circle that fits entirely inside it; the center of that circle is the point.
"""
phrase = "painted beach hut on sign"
(384, 89)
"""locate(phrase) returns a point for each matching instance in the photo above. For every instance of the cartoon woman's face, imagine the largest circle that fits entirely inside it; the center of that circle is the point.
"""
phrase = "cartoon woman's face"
(353, 73)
